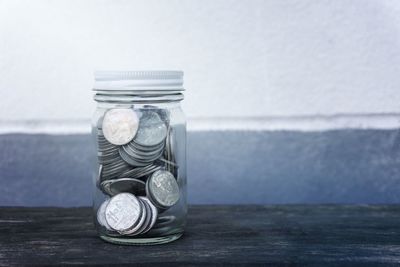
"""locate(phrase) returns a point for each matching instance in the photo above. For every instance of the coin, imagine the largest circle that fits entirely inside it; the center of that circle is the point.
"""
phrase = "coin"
(139, 172)
(131, 185)
(131, 161)
(152, 130)
(139, 147)
(108, 158)
(133, 230)
(120, 125)
(123, 212)
(154, 214)
(143, 220)
(147, 219)
(107, 148)
(101, 215)
(163, 189)
(163, 113)
(138, 159)
(150, 218)
(114, 169)
(103, 145)
(148, 144)
(141, 155)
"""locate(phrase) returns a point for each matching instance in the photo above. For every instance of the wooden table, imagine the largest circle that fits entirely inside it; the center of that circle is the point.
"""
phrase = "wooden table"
(281, 235)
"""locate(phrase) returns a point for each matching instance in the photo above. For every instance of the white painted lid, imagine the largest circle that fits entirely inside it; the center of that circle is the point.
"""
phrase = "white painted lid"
(160, 80)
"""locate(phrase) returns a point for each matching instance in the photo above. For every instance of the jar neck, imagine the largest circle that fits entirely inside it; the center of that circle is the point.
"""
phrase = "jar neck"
(138, 97)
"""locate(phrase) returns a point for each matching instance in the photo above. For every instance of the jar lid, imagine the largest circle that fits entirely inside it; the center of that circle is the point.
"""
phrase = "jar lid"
(163, 80)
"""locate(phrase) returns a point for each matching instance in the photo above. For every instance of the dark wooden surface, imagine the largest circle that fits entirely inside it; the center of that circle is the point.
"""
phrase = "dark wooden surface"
(290, 235)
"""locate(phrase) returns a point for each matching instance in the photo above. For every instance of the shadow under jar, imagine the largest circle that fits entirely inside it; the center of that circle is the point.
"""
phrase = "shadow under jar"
(139, 131)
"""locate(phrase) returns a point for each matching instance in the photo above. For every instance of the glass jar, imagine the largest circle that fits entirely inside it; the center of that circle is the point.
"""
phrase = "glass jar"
(139, 131)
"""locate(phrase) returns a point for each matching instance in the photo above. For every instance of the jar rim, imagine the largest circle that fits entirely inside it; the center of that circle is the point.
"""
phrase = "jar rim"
(151, 80)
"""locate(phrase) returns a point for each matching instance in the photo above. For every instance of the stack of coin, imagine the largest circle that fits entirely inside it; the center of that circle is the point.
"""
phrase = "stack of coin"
(127, 214)
(162, 189)
(101, 219)
(149, 142)
(114, 169)
(141, 172)
(137, 169)
(107, 152)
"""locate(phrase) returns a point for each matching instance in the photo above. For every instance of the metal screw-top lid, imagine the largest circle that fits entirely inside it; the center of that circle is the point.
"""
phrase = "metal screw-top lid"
(138, 80)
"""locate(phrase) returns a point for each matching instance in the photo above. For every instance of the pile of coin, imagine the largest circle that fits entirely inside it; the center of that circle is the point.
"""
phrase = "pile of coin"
(149, 142)
(137, 169)
(126, 214)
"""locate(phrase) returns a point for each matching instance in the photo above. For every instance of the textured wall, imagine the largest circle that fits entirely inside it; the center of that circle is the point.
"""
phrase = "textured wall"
(241, 58)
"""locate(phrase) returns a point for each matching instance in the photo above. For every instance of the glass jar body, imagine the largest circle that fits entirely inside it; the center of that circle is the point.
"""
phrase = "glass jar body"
(139, 174)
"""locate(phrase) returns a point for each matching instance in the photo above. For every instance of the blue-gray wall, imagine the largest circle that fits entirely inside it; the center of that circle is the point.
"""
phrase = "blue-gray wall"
(342, 166)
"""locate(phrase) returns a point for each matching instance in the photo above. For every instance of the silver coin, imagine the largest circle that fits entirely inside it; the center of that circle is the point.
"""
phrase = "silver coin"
(154, 214)
(136, 150)
(142, 158)
(147, 221)
(108, 158)
(115, 164)
(105, 145)
(102, 140)
(140, 172)
(135, 171)
(101, 215)
(152, 130)
(148, 156)
(146, 148)
(120, 125)
(123, 212)
(110, 153)
(163, 113)
(115, 173)
(134, 230)
(115, 168)
(133, 162)
(163, 189)
(107, 149)
(130, 185)
(137, 162)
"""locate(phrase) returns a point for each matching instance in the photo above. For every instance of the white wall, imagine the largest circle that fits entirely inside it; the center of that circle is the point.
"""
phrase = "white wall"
(241, 59)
